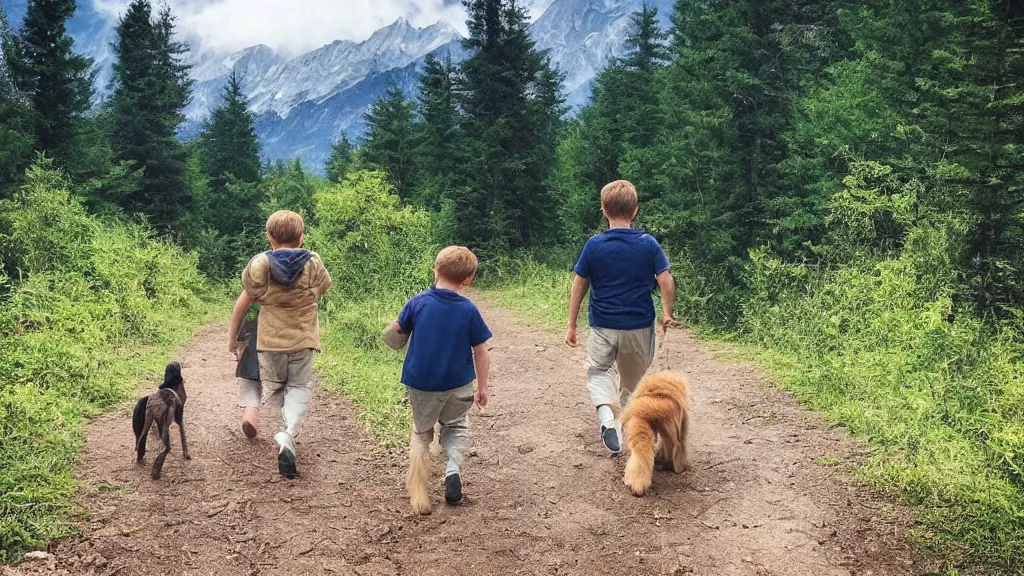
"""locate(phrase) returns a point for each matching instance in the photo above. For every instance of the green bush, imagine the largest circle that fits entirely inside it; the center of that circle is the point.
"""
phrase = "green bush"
(97, 306)
(379, 253)
(881, 348)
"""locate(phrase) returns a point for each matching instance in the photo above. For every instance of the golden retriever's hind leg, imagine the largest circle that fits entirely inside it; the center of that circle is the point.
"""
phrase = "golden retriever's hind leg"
(418, 476)
(681, 450)
(663, 458)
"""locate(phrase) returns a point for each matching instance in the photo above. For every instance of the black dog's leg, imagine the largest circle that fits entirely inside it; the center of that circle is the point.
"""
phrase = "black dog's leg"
(138, 422)
(179, 417)
(165, 436)
(140, 448)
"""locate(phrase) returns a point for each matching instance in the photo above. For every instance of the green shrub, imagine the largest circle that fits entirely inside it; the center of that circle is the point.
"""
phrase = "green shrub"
(379, 253)
(882, 349)
(98, 305)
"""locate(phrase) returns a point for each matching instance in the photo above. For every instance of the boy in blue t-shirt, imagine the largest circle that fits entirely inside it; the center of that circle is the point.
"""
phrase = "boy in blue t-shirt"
(621, 267)
(447, 350)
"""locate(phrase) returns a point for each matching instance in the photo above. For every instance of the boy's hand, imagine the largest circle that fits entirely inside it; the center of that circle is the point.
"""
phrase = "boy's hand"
(235, 348)
(570, 337)
(480, 396)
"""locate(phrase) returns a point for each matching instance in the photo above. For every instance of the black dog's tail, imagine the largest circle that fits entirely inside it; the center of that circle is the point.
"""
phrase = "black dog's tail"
(139, 416)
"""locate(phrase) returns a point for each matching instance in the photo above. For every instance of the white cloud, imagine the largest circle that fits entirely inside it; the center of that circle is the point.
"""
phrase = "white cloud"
(293, 26)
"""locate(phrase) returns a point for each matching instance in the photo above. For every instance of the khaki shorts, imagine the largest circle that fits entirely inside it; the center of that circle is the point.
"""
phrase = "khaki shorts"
(446, 407)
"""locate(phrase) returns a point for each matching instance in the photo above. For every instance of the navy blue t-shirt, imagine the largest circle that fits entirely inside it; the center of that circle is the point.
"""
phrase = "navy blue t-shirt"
(621, 264)
(444, 327)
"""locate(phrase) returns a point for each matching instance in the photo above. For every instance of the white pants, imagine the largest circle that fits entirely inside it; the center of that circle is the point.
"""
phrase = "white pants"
(631, 351)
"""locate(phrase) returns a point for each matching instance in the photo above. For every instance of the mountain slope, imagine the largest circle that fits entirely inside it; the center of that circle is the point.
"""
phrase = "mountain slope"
(305, 103)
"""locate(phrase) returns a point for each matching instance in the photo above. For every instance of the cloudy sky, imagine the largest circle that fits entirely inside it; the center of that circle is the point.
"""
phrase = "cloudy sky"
(295, 26)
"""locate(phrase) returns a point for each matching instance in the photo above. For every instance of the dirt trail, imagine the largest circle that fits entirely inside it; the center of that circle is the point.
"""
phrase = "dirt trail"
(542, 496)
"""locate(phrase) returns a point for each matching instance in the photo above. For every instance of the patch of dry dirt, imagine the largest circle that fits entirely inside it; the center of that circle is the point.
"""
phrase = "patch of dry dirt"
(542, 496)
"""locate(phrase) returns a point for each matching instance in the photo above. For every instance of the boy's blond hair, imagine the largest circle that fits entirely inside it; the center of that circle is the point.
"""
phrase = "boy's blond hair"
(286, 227)
(456, 264)
(619, 199)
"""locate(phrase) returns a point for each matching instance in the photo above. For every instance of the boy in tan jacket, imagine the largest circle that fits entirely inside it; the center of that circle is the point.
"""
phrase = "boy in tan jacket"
(287, 281)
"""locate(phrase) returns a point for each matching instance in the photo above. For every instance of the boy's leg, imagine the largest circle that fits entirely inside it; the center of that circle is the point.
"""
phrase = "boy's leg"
(274, 375)
(297, 391)
(636, 354)
(602, 348)
(250, 397)
(426, 409)
(454, 419)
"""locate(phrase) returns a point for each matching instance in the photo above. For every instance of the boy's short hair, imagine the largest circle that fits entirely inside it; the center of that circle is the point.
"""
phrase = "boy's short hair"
(619, 199)
(285, 227)
(456, 264)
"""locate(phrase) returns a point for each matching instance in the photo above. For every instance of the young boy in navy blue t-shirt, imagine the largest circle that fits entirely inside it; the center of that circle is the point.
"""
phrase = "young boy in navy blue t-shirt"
(447, 351)
(621, 268)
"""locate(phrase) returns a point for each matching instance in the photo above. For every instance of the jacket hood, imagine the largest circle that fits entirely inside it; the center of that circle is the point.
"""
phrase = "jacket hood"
(286, 264)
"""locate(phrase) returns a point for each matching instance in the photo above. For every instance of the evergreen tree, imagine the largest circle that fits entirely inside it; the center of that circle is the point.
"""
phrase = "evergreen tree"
(231, 161)
(512, 108)
(390, 140)
(440, 144)
(341, 159)
(55, 79)
(17, 139)
(151, 88)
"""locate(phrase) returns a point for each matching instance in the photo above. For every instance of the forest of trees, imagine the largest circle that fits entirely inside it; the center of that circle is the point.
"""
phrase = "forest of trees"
(834, 180)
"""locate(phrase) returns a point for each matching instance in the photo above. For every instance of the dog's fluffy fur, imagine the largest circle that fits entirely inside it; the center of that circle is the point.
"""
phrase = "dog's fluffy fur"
(658, 411)
(418, 476)
(167, 404)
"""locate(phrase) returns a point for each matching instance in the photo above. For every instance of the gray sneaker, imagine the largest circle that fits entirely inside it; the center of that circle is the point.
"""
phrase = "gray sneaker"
(612, 437)
(285, 455)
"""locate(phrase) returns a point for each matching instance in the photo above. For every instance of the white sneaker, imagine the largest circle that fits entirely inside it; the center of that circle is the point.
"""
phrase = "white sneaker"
(285, 455)
(612, 437)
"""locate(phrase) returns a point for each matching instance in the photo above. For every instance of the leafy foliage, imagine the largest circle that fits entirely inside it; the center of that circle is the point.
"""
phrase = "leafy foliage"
(98, 306)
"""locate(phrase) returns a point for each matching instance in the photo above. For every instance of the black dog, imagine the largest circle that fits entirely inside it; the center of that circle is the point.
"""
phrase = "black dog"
(166, 404)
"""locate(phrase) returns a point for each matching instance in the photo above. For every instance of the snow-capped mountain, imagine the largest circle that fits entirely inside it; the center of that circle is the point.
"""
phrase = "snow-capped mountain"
(303, 104)
(583, 35)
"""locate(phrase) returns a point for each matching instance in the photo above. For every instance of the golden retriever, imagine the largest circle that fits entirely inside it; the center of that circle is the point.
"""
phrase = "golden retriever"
(658, 410)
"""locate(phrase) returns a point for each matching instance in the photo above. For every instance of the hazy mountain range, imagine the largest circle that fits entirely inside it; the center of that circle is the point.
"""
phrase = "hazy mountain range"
(304, 103)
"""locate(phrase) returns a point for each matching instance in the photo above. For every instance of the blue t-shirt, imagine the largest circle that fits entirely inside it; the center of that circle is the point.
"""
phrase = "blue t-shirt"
(444, 327)
(621, 264)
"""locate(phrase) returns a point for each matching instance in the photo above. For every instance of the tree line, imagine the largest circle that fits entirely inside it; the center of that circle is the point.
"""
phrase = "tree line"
(123, 155)
(821, 132)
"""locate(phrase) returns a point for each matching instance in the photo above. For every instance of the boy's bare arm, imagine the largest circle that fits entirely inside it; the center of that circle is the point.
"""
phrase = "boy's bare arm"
(242, 306)
(482, 362)
(580, 285)
(667, 284)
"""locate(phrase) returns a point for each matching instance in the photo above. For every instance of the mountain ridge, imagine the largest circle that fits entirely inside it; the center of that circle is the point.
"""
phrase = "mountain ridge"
(321, 94)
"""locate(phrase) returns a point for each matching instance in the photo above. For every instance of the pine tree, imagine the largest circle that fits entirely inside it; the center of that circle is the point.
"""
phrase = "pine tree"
(390, 140)
(17, 138)
(54, 78)
(341, 159)
(440, 151)
(231, 161)
(230, 145)
(512, 108)
(151, 88)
